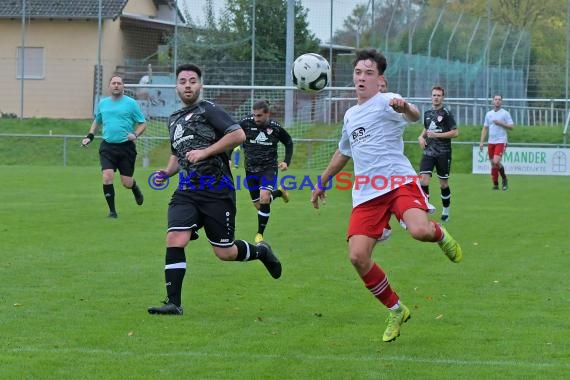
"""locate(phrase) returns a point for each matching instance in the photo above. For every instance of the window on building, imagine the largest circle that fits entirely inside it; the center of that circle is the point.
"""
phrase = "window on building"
(33, 63)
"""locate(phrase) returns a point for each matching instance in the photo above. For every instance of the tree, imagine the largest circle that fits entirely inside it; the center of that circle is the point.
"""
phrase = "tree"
(546, 22)
(353, 27)
(540, 24)
(390, 19)
(229, 35)
(270, 29)
(207, 41)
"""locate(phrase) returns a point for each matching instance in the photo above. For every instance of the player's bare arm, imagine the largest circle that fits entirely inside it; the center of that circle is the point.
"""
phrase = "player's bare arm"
(410, 111)
(170, 170)
(172, 166)
(226, 143)
(91, 134)
(422, 138)
(138, 131)
(443, 135)
(337, 162)
(483, 136)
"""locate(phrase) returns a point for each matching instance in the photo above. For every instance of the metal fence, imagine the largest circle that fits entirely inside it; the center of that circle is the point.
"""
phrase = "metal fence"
(473, 57)
(65, 150)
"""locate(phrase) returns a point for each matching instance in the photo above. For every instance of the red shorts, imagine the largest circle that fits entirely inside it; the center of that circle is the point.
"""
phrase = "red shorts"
(372, 218)
(496, 150)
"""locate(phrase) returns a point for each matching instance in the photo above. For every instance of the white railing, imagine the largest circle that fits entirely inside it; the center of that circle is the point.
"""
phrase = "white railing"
(69, 152)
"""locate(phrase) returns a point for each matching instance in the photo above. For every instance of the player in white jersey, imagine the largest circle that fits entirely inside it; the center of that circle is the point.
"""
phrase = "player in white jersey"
(497, 122)
(385, 182)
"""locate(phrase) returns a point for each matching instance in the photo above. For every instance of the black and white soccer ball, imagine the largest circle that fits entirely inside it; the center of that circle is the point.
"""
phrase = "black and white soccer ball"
(311, 73)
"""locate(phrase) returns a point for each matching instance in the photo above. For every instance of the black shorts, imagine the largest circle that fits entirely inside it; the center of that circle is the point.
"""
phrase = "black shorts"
(442, 165)
(213, 210)
(266, 180)
(121, 156)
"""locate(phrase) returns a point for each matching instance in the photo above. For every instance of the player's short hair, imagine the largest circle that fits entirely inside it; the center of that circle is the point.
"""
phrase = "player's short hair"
(439, 88)
(261, 105)
(373, 55)
(189, 67)
(116, 75)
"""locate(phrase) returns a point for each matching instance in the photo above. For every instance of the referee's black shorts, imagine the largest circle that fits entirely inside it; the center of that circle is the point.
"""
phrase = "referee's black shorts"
(121, 156)
(442, 165)
(212, 209)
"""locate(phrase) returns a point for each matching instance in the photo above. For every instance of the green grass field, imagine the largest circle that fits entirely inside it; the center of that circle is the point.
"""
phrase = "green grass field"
(75, 287)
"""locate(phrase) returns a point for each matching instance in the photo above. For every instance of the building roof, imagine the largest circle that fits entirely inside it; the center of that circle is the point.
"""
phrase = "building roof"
(66, 9)
(148, 22)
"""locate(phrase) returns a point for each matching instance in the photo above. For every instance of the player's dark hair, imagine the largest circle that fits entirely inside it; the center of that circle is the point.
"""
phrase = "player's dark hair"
(189, 67)
(261, 105)
(439, 88)
(373, 55)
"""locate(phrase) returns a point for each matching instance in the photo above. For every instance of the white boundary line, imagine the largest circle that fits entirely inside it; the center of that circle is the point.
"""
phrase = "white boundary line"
(310, 358)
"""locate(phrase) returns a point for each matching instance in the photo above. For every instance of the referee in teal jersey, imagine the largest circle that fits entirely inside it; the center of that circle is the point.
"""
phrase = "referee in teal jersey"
(123, 122)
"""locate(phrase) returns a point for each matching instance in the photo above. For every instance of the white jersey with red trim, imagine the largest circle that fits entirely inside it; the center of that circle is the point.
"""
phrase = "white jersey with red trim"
(497, 134)
(372, 136)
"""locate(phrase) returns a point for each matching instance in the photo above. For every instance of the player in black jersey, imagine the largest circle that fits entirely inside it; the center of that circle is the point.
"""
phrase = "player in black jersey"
(263, 136)
(435, 140)
(200, 135)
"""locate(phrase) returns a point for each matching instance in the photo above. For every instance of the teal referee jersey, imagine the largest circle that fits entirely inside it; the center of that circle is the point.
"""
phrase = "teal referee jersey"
(118, 118)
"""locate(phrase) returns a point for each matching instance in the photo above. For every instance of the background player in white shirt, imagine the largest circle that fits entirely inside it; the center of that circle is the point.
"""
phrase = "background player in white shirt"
(372, 137)
(497, 122)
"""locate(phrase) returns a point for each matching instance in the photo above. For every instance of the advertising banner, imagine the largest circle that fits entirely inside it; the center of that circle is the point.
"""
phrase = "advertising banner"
(526, 161)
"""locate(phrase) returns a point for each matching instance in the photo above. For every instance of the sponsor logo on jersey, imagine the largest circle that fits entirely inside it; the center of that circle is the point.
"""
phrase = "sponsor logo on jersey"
(359, 132)
(178, 132)
(261, 138)
(359, 135)
(179, 137)
(433, 127)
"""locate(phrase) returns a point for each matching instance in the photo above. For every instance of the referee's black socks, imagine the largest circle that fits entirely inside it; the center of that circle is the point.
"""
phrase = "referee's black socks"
(109, 192)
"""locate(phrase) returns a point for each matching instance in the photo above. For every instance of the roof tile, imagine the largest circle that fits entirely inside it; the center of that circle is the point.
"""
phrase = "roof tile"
(62, 8)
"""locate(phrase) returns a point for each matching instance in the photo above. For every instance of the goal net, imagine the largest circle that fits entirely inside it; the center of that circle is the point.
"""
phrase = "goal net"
(312, 120)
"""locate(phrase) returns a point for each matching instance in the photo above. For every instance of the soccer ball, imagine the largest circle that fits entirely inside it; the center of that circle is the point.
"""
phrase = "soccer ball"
(311, 73)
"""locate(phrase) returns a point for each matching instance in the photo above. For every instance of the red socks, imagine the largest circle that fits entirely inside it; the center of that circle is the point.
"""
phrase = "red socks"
(377, 282)
(438, 232)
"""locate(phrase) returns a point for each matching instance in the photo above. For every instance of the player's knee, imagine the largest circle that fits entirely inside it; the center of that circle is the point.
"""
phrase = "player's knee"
(107, 178)
(127, 182)
(420, 231)
(177, 238)
(358, 258)
(224, 254)
(265, 197)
